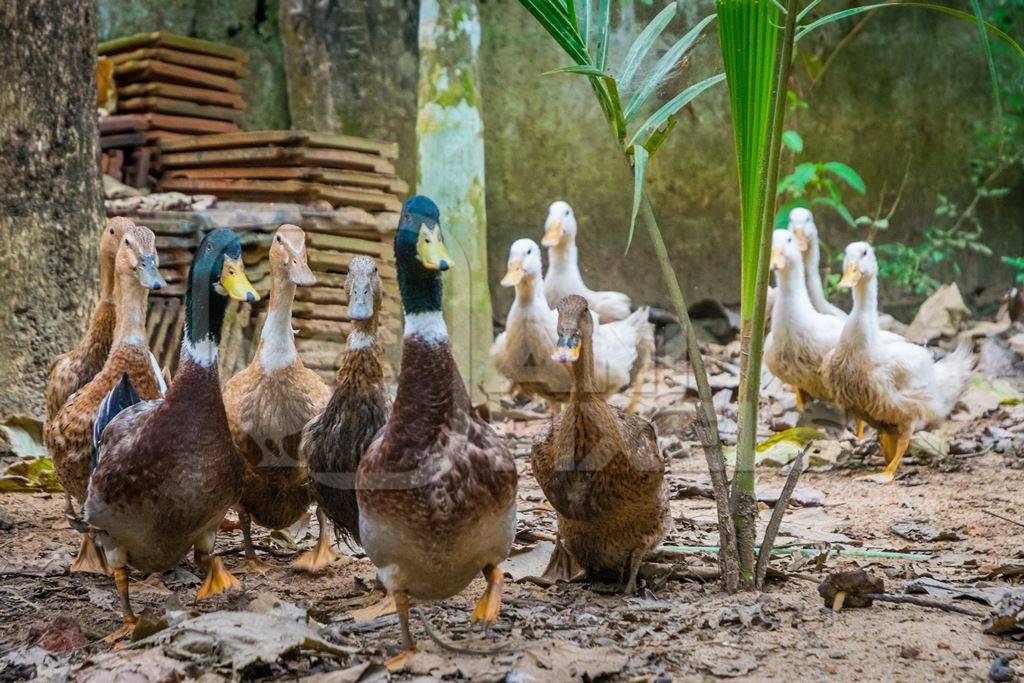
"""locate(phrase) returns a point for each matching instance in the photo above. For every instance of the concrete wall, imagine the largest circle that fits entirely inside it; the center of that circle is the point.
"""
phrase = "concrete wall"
(912, 84)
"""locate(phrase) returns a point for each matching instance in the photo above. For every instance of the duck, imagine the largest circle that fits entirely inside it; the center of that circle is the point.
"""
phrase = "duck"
(800, 336)
(890, 383)
(269, 403)
(69, 435)
(522, 353)
(600, 467)
(73, 370)
(801, 224)
(436, 489)
(333, 443)
(564, 278)
(167, 470)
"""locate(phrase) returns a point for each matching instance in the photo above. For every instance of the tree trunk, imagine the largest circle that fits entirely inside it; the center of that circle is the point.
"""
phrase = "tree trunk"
(450, 159)
(50, 192)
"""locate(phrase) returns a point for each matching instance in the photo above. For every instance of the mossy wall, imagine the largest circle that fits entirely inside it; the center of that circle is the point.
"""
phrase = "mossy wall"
(912, 84)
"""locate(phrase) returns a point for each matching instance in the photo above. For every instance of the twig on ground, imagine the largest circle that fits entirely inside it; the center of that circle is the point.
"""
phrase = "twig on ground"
(761, 569)
(1005, 519)
(923, 602)
(455, 648)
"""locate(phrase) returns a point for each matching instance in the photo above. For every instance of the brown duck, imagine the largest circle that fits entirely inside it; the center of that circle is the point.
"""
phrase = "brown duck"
(167, 469)
(69, 435)
(335, 441)
(436, 488)
(269, 403)
(600, 467)
(73, 370)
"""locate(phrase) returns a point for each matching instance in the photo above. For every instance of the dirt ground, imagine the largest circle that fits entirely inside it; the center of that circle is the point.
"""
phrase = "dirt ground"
(682, 628)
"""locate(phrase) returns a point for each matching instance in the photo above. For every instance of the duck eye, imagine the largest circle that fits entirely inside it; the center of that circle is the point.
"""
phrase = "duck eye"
(127, 241)
(111, 231)
(279, 239)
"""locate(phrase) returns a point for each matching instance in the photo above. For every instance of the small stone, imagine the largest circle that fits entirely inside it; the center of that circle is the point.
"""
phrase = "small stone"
(5, 520)
(831, 668)
(909, 652)
(837, 654)
(942, 645)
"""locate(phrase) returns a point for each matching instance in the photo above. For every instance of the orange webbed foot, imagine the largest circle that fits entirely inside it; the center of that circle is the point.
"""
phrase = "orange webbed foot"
(218, 580)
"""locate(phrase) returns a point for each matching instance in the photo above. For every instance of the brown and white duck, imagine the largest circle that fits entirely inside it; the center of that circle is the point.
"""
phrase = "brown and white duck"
(334, 442)
(600, 467)
(167, 470)
(73, 370)
(437, 487)
(269, 403)
(69, 435)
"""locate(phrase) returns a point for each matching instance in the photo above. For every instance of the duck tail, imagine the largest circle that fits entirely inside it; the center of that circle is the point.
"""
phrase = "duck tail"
(952, 373)
(122, 396)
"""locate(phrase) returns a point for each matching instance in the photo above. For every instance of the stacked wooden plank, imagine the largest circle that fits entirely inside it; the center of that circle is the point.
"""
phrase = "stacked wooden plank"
(295, 166)
(168, 87)
(320, 313)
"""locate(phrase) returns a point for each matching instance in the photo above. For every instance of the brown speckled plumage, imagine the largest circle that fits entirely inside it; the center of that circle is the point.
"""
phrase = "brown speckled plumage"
(602, 471)
(73, 370)
(335, 441)
(270, 402)
(168, 472)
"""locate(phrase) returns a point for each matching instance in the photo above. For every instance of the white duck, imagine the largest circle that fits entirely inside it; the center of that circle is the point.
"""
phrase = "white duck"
(522, 353)
(563, 277)
(801, 224)
(801, 337)
(892, 384)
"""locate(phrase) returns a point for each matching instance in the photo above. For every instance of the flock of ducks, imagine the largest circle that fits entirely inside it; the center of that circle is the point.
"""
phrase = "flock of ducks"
(151, 466)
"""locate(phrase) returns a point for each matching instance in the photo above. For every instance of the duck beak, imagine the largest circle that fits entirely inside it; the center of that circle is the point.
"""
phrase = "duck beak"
(235, 283)
(552, 232)
(149, 274)
(360, 304)
(778, 261)
(514, 275)
(801, 239)
(301, 274)
(430, 249)
(851, 276)
(567, 350)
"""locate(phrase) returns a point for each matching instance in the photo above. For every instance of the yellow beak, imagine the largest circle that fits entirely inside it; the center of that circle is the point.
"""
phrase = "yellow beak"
(431, 250)
(801, 239)
(778, 261)
(851, 276)
(552, 232)
(514, 275)
(567, 350)
(235, 283)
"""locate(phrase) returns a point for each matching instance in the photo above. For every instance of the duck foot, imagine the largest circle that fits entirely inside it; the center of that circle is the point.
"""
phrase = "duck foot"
(125, 631)
(398, 662)
(562, 566)
(228, 525)
(321, 556)
(382, 608)
(218, 580)
(884, 477)
(487, 609)
(89, 558)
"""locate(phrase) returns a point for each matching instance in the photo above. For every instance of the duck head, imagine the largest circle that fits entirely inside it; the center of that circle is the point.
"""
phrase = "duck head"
(859, 263)
(288, 256)
(137, 260)
(523, 263)
(575, 329)
(420, 255)
(560, 227)
(363, 287)
(785, 250)
(217, 273)
(801, 224)
(113, 233)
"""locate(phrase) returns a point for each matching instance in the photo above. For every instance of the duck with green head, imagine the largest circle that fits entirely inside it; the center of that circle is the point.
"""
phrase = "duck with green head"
(167, 470)
(437, 487)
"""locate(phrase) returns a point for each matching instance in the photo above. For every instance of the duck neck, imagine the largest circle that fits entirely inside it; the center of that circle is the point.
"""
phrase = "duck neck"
(204, 316)
(106, 279)
(812, 274)
(793, 302)
(583, 368)
(862, 326)
(131, 311)
(364, 332)
(563, 259)
(530, 292)
(277, 340)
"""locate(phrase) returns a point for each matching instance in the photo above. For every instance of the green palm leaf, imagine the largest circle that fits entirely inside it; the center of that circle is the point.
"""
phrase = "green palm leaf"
(643, 44)
(670, 108)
